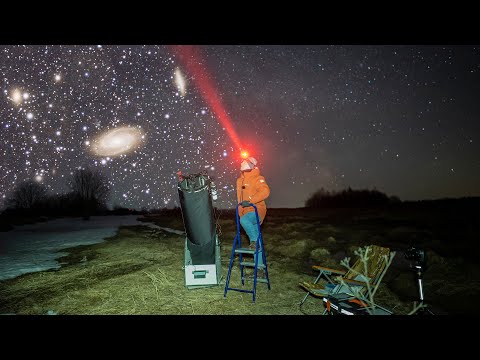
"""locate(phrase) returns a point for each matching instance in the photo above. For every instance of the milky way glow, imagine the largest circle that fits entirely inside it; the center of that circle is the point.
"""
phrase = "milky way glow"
(117, 141)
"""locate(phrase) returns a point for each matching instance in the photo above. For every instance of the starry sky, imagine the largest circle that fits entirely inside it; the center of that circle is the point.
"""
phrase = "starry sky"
(401, 119)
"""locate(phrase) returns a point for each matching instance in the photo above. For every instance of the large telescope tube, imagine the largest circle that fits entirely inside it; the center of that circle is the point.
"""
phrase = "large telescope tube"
(198, 217)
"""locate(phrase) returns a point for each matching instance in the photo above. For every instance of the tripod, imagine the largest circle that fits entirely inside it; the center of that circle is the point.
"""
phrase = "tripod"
(424, 310)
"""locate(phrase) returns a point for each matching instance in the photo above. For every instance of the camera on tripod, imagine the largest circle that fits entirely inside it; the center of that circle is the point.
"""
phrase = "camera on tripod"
(417, 256)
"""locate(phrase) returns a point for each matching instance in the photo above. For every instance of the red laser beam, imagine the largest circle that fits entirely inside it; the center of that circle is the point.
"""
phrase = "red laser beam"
(191, 57)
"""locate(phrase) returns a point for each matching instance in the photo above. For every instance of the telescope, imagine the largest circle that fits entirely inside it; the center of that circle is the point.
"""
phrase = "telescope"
(202, 245)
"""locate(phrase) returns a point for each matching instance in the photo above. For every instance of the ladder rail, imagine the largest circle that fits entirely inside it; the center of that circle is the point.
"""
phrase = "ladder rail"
(258, 244)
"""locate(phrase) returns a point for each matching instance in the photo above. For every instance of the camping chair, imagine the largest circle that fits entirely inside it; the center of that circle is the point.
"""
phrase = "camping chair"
(353, 278)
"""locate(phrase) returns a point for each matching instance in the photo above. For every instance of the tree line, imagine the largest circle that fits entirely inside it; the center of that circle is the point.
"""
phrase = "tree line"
(350, 198)
(88, 194)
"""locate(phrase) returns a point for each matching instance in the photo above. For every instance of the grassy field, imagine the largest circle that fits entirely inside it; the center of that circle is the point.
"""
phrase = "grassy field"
(139, 270)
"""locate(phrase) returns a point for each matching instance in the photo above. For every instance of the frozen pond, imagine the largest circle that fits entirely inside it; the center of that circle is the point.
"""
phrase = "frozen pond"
(35, 247)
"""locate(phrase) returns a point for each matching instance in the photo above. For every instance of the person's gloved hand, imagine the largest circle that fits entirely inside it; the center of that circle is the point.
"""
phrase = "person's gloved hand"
(245, 203)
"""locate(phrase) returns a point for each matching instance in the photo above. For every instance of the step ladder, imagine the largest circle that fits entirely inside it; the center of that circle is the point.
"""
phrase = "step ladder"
(237, 249)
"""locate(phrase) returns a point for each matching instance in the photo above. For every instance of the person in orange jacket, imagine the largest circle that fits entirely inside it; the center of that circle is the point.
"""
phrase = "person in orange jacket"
(251, 188)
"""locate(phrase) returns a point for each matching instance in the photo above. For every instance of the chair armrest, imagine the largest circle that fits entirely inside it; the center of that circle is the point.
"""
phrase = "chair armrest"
(333, 271)
(317, 290)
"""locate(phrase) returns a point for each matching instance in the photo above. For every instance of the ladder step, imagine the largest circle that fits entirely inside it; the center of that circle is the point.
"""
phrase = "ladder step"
(244, 251)
(252, 264)
(246, 274)
(250, 278)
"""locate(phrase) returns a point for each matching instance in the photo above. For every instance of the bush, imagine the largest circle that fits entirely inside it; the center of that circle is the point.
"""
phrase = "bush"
(90, 190)
(27, 195)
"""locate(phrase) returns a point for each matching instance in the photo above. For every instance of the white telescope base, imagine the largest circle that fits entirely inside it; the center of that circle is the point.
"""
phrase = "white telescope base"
(197, 276)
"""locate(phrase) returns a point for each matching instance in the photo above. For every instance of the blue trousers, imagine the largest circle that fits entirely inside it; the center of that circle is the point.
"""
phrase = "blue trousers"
(250, 225)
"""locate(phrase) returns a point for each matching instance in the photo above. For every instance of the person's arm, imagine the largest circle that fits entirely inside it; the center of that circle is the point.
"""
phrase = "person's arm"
(263, 191)
(239, 191)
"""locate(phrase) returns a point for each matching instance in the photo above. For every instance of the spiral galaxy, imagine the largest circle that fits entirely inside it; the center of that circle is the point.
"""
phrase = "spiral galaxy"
(117, 141)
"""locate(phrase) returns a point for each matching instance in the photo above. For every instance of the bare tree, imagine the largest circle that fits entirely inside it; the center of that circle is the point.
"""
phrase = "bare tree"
(27, 195)
(90, 186)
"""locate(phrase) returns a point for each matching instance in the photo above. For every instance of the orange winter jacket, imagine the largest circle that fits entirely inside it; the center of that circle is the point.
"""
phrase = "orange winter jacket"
(251, 186)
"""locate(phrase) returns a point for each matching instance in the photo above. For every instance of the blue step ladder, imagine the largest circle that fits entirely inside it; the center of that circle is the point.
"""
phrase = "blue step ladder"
(237, 249)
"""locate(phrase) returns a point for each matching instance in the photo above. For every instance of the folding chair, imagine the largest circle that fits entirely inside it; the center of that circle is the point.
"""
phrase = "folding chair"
(355, 277)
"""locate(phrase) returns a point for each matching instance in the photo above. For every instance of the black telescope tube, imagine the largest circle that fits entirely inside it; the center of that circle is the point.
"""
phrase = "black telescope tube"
(198, 218)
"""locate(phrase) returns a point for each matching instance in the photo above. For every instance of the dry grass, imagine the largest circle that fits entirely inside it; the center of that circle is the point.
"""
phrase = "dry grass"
(139, 271)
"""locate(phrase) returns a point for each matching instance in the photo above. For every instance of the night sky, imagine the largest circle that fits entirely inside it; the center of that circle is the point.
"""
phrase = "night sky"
(402, 119)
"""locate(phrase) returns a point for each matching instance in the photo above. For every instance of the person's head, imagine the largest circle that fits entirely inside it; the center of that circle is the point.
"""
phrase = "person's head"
(248, 164)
